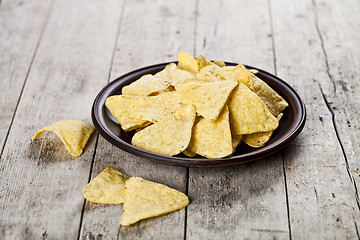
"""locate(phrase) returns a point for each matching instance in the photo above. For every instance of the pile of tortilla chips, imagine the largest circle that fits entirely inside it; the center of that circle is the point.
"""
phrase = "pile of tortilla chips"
(198, 107)
(142, 199)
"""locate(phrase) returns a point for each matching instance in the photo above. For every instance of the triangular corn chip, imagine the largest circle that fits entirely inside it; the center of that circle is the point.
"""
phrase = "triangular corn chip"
(107, 187)
(212, 139)
(209, 74)
(259, 139)
(239, 73)
(202, 61)
(146, 85)
(208, 97)
(174, 75)
(145, 108)
(73, 133)
(272, 99)
(248, 113)
(145, 199)
(189, 153)
(169, 136)
(220, 63)
(236, 140)
(188, 63)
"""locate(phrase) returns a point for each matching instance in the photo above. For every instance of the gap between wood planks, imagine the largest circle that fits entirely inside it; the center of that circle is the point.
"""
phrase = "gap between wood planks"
(282, 151)
(97, 136)
(333, 116)
(27, 74)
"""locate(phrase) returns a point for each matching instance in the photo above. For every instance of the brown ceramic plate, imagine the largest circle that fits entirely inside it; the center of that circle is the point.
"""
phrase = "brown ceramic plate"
(290, 125)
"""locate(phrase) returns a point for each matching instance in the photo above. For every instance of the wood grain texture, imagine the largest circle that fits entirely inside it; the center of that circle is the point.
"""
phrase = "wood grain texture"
(41, 183)
(322, 199)
(21, 25)
(164, 29)
(246, 201)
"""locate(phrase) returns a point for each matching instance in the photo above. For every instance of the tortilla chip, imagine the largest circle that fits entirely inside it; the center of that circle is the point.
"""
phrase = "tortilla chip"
(129, 124)
(189, 153)
(174, 75)
(257, 140)
(107, 187)
(202, 61)
(239, 73)
(209, 74)
(212, 139)
(272, 99)
(248, 113)
(145, 86)
(145, 108)
(220, 63)
(73, 133)
(208, 98)
(145, 199)
(188, 63)
(236, 140)
(169, 136)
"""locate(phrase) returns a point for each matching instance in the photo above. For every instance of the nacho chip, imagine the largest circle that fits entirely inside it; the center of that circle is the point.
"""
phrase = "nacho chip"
(145, 108)
(208, 98)
(248, 113)
(236, 140)
(107, 187)
(189, 153)
(169, 136)
(73, 133)
(188, 63)
(212, 139)
(145, 86)
(129, 124)
(239, 73)
(257, 140)
(220, 63)
(146, 199)
(272, 99)
(174, 75)
(209, 74)
(202, 61)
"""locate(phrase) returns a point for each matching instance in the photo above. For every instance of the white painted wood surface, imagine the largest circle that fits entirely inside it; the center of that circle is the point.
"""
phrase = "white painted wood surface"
(56, 55)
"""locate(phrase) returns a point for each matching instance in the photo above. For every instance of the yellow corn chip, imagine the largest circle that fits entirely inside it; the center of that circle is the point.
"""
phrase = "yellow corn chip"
(220, 63)
(212, 139)
(107, 187)
(239, 73)
(236, 140)
(169, 136)
(272, 99)
(174, 75)
(129, 124)
(145, 199)
(209, 74)
(259, 139)
(208, 97)
(202, 61)
(188, 63)
(189, 153)
(248, 113)
(145, 86)
(73, 133)
(145, 108)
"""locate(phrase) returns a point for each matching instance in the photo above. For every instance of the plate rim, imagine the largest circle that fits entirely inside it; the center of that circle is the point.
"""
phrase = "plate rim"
(189, 161)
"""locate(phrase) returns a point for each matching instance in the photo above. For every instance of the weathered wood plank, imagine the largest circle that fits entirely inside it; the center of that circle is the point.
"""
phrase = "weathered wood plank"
(322, 199)
(41, 184)
(337, 26)
(246, 201)
(164, 29)
(21, 25)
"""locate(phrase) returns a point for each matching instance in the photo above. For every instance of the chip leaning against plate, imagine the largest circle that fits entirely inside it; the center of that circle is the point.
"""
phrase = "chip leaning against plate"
(232, 105)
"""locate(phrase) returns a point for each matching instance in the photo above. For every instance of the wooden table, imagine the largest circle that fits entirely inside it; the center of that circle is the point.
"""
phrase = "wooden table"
(55, 56)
